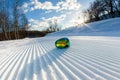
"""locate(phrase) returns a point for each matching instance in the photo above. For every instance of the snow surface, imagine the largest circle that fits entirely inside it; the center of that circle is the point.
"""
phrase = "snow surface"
(109, 27)
(88, 58)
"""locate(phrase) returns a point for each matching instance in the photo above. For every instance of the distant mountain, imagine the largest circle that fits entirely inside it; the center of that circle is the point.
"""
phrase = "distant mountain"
(109, 27)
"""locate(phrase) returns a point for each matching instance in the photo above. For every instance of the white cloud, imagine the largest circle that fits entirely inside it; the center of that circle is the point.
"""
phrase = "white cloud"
(42, 23)
(62, 5)
(25, 5)
(73, 18)
(58, 19)
(68, 5)
(38, 23)
(48, 11)
(35, 4)
(66, 20)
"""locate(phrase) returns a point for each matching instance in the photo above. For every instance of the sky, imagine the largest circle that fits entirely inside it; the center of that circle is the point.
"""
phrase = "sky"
(65, 13)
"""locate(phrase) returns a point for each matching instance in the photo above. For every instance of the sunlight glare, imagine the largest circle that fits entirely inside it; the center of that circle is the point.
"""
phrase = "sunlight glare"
(79, 22)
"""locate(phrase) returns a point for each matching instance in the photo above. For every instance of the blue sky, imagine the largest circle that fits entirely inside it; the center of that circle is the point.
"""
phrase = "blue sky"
(66, 13)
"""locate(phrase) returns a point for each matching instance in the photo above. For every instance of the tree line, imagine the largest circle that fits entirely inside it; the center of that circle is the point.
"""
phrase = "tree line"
(13, 22)
(102, 9)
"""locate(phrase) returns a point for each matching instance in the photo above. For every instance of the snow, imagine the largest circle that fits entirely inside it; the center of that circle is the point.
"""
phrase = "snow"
(88, 58)
(110, 27)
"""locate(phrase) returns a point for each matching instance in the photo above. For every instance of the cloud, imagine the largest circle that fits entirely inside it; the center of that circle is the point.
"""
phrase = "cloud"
(60, 6)
(69, 19)
(68, 5)
(36, 5)
(73, 18)
(58, 19)
(38, 23)
(44, 23)
(48, 11)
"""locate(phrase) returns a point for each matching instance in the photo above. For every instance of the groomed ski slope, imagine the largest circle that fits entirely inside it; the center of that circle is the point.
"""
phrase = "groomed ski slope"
(88, 58)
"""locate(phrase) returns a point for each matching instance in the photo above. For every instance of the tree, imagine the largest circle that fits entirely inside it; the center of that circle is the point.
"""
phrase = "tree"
(24, 22)
(97, 9)
(117, 7)
(109, 7)
(10, 16)
(3, 19)
(53, 26)
(16, 16)
(102, 9)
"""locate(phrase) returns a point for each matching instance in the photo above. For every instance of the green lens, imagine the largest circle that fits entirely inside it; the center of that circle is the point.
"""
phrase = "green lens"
(62, 43)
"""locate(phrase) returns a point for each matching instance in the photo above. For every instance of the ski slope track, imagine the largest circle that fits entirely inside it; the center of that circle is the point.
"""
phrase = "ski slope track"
(88, 58)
